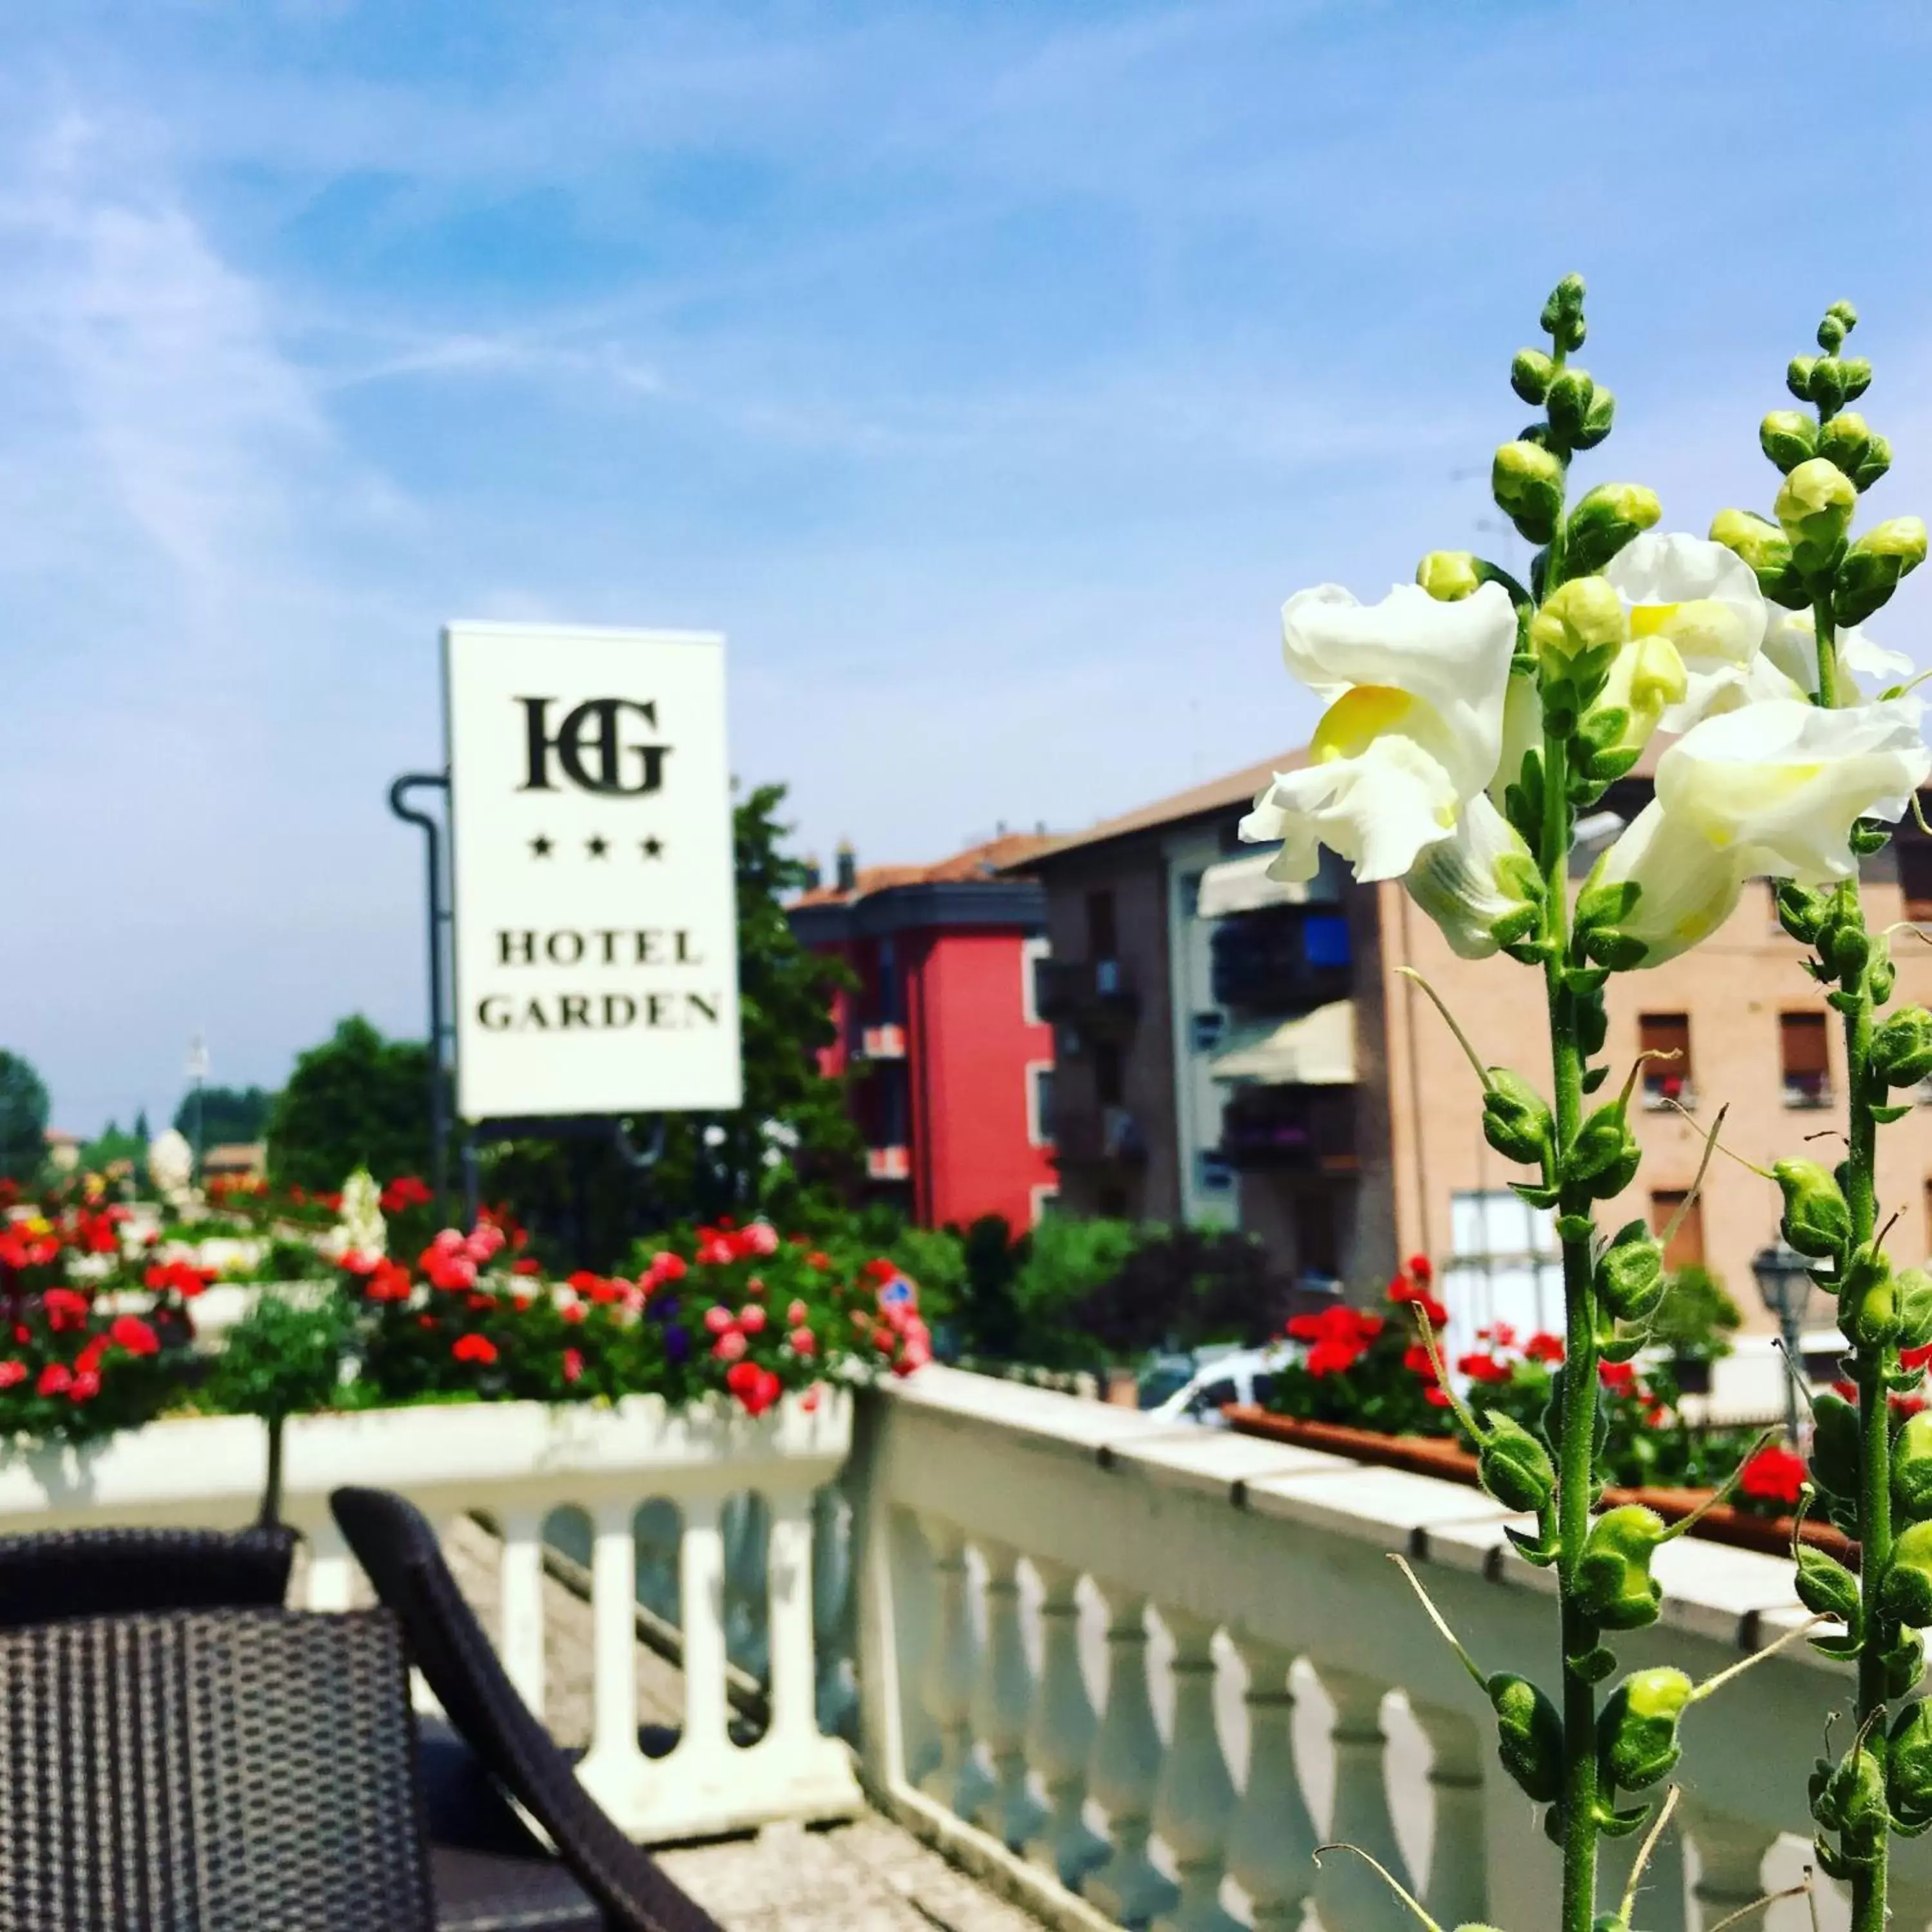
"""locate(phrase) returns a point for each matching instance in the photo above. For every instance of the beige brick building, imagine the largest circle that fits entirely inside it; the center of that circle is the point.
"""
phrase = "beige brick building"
(1236, 1054)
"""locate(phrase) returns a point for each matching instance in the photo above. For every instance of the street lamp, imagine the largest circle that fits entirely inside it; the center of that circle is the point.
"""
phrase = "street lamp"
(1784, 1281)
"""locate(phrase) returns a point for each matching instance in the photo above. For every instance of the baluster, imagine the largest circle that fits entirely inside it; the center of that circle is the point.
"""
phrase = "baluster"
(832, 1613)
(706, 1742)
(1271, 1849)
(1458, 1891)
(521, 1605)
(1730, 1861)
(1126, 1773)
(951, 1672)
(1347, 1894)
(1004, 1702)
(614, 1758)
(1194, 1803)
(794, 1719)
(332, 1570)
(1060, 1738)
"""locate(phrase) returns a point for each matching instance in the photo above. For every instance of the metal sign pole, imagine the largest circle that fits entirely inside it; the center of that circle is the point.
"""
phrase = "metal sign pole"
(438, 1029)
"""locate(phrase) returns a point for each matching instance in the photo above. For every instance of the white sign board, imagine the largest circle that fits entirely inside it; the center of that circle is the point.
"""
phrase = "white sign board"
(596, 944)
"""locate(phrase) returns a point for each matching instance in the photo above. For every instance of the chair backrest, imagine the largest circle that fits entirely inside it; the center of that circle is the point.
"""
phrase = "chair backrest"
(397, 1547)
(92, 1572)
(208, 1770)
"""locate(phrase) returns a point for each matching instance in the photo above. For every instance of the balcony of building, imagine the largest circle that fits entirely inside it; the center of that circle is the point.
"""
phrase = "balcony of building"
(1276, 946)
(885, 1041)
(1095, 996)
(1119, 1671)
(1112, 1137)
(1300, 1129)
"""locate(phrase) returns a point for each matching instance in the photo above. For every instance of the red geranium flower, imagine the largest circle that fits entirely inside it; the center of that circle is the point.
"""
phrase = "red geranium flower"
(1544, 1347)
(1617, 1374)
(1774, 1474)
(130, 1333)
(1483, 1369)
(477, 1348)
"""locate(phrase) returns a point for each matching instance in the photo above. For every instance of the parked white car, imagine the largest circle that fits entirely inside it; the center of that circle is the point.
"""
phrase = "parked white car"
(1176, 1394)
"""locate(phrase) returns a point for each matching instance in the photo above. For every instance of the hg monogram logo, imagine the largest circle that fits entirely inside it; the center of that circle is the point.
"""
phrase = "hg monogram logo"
(587, 747)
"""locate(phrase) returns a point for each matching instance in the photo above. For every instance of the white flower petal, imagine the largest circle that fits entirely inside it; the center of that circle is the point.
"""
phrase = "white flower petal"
(1454, 880)
(1779, 785)
(1454, 657)
(1378, 809)
(1791, 643)
(1706, 600)
(1687, 887)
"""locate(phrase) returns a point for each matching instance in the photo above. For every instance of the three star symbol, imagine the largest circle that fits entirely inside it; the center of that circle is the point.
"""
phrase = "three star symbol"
(596, 845)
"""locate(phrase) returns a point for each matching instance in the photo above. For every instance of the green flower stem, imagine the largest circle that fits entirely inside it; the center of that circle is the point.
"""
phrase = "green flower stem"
(1864, 1092)
(1576, 1451)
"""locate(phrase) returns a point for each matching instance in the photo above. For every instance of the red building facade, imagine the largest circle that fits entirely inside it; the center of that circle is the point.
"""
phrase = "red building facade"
(953, 1065)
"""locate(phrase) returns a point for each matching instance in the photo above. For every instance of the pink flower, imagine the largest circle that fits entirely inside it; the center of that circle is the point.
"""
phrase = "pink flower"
(761, 1238)
(751, 1319)
(56, 1378)
(803, 1342)
(729, 1347)
(573, 1364)
(12, 1373)
(718, 1319)
(449, 1241)
(798, 1315)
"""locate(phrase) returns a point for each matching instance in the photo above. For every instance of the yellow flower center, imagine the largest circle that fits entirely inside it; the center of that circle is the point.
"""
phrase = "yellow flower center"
(1705, 626)
(1651, 620)
(1356, 719)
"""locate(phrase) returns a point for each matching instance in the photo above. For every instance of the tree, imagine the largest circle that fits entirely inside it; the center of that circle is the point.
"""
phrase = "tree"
(787, 1151)
(23, 1119)
(142, 1133)
(357, 1100)
(227, 1115)
(113, 1144)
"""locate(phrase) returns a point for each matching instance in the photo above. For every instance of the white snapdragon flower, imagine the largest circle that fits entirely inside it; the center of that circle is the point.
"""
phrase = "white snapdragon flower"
(1773, 790)
(1791, 644)
(1705, 600)
(1413, 730)
(1480, 880)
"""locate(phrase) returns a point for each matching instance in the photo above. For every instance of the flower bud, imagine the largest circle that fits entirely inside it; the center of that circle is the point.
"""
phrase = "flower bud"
(1837, 1450)
(1826, 1588)
(1869, 572)
(1529, 1736)
(1571, 393)
(1602, 412)
(1637, 1733)
(1908, 1766)
(1606, 519)
(1912, 1467)
(1849, 1798)
(1766, 549)
(1849, 951)
(1514, 1467)
(1817, 1222)
(1585, 614)
(1530, 374)
(1906, 1592)
(1646, 677)
(1858, 374)
(1901, 1049)
(1914, 1308)
(1517, 1120)
(1449, 575)
(1797, 376)
(1629, 1275)
(1815, 507)
(1800, 911)
(1829, 386)
(1831, 333)
(1868, 1299)
(1614, 1588)
(1562, 317)
(1845, 440)
(1876, 461)
(1788, 437)
(1527, 482)
(1603, 1159)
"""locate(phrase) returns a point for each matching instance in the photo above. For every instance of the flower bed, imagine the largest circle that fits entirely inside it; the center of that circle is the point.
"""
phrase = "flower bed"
(98, 1339)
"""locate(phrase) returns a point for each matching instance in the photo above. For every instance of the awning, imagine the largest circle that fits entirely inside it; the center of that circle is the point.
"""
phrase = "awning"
(1316, 1049)
(1243, 885)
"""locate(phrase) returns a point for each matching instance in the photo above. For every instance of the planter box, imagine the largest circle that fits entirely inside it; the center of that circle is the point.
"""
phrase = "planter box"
(1429, 1455)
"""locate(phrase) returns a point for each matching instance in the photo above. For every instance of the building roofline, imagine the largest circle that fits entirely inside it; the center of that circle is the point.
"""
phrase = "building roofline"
(1012, 903)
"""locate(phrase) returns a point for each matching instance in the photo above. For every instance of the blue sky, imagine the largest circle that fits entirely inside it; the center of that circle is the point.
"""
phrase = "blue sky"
(990, 374)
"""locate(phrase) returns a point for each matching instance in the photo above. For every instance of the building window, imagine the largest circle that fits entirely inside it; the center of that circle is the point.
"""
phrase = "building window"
(1207, 1029)
(1212, 1174)
(1045, 1197)
(1685, 1247)
(1033, 953)
(1914, 871)
(1803, 1061)
(1109, 1084)
(1103, 939)
(1040, 1105)
(1504, 1265)
(1667, 1079)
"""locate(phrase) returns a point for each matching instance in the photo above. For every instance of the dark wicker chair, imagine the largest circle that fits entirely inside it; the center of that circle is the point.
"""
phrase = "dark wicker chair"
(615, 1883)
(210, 1771)
(92, 1572)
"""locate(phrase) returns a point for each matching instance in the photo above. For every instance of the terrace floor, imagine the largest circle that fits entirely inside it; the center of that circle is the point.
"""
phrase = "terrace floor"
(868, 1875)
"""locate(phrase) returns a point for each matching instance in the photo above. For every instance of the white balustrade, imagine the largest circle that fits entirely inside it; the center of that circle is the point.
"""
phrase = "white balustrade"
(522, 1467)
(1348, 1892)
(1194, 1802)
(1004, 1701)
(1126, 1774)
(1271, 1846)
(1060, 1740)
